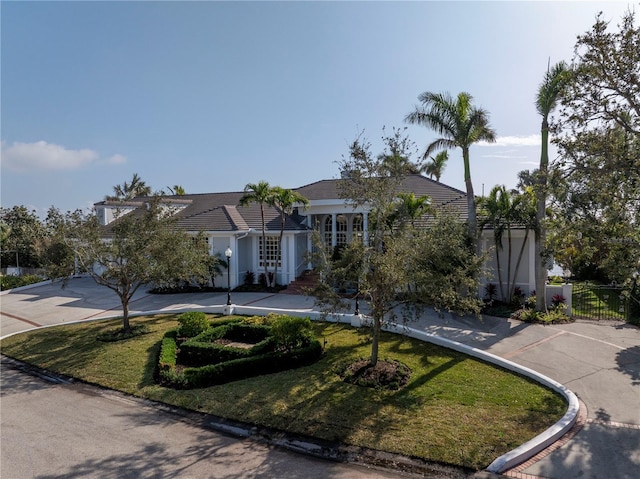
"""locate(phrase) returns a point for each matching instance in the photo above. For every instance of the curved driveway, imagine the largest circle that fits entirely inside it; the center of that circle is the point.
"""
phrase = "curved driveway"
(599, 361)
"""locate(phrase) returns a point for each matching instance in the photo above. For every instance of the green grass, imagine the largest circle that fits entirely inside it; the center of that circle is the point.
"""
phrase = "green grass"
(455, 409)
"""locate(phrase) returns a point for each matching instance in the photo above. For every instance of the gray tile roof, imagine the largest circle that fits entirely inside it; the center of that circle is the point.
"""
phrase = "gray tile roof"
(440, 193)
(222, 211)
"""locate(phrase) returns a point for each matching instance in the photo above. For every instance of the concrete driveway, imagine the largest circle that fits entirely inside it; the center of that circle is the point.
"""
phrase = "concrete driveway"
(599, 361)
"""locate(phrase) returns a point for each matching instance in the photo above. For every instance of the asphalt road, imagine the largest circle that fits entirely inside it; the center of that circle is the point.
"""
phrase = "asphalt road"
(55, 431)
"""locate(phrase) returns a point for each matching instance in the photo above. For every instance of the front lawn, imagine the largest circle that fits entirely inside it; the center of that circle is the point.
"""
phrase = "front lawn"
(454, 409)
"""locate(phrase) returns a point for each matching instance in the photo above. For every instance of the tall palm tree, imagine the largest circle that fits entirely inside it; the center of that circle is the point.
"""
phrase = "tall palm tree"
(284, 200)
(436, 166)
(546, 101)
(260, 193)
(460, 125)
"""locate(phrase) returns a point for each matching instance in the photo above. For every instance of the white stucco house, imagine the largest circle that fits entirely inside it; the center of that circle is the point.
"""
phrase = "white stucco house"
(226, 224)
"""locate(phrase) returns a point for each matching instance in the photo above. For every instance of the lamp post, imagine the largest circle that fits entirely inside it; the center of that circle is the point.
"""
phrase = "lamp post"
(228, 254)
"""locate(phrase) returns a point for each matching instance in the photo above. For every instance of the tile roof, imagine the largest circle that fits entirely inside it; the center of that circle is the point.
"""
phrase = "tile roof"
(222, 211)
(440, 193)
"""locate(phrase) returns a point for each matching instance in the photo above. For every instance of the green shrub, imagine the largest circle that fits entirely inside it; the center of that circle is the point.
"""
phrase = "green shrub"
(192, 324)
(527, 315)
(243, 368)
(530, 302)
(11, 282)
(202, 349)
(291, 332)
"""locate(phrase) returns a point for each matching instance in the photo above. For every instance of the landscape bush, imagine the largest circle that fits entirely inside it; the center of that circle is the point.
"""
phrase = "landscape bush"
(200, 361)
(11, 282)
(192, 323)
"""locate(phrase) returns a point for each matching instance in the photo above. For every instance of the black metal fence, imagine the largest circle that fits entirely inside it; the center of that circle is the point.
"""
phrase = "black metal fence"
(604, 302)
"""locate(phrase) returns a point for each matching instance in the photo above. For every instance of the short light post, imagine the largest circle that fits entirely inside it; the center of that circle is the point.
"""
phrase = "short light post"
(228, 254)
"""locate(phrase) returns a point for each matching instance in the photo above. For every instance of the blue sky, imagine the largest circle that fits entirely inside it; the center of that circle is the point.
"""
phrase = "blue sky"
(215, 95)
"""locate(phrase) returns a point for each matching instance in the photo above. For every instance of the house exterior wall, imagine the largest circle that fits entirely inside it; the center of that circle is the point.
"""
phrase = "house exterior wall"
(525, 278)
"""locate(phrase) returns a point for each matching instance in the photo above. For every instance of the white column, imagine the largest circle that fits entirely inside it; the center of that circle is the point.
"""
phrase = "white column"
(334, 240)
(365, 228)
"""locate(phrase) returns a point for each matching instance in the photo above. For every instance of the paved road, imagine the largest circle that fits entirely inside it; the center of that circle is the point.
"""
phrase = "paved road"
(55, 431)
(600, 362)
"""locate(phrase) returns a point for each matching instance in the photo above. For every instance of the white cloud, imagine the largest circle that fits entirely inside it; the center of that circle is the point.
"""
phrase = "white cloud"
(43, 156)
(24, 157)
(530, 140)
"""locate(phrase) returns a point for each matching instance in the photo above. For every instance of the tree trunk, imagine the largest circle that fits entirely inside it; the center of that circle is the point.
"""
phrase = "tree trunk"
(541, 233)
(264, 248)
(520, 254)
(375, 340)
(125, 313)
(471, 202)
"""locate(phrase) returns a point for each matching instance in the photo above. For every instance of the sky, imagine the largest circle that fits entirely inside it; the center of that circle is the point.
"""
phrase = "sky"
(214, 95)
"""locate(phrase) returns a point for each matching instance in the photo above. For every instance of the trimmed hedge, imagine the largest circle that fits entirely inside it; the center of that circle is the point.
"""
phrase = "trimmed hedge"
(201, 350)
(243, 368)
(209, 364)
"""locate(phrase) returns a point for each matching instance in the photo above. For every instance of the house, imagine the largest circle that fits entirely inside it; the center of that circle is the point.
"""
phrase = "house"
(226, 224)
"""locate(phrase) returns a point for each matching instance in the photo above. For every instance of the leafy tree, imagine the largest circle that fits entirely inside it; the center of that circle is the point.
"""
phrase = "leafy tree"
(23, 237)
(260, 193)
(546, 101)
(284, 200)
(596, 181)
(460, 125)
(506, 211)
(138, 248)
(400, 267)
(435, 167)
(396, 160)
(128, 191)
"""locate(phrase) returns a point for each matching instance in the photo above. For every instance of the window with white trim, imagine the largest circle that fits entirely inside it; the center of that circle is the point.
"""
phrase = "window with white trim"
(271, 253)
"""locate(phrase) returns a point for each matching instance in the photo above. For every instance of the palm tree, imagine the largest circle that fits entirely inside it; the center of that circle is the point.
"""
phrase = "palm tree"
(412, 207)
(504, 211)
(284, 200)
(546, 101)
(177, 190)
(436, 166)
(128, 191)
(260, 193)
(493, 212)
(460, 125)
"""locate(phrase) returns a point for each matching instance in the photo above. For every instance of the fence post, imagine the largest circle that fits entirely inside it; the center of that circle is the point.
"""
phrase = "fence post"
(567, 292)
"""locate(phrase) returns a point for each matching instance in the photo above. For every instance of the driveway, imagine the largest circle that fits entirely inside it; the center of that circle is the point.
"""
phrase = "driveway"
(599, 361)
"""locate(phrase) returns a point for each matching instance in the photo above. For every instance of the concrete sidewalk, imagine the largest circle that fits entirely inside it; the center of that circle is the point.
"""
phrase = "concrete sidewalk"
(599, 361)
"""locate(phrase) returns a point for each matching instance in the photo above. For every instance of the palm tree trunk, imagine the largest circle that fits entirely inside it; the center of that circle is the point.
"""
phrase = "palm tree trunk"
(471, 201)
(264, 247)
(520, 254)
(541, 235)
